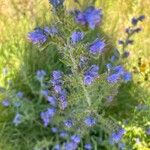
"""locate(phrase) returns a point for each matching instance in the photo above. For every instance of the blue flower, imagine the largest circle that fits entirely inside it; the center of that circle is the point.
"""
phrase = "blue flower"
(125, 54)
(68, 123)
(134, 21)
(17, 104)
(90, 121)
(63, 100)
(93, 16)
(88, 80)
(80, 18)
(116, 137)
(57, 147)
(37, 36)
(45, 92)
(121, 146)
(5, 103)
(114, 78)
(127, 76)
(54, 130)
(91, 74)
(141, 18)
(90, 16)
(76, 138)
(51, 100)
(88, 146)
(17, 120)
(19, 94)
(77, 36)
(63, 134)
(97, 47)
(57, 75)
(46, 116)
(51, 30)
(58, 88)
(40, 74)
(118, 70)
(56, 3)
(70, 146)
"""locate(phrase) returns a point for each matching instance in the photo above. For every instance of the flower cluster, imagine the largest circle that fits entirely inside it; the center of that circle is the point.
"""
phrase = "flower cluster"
(91, 17)
(116, 137)
(97, 47)
(118, 73)
(91, 74)
(77, 36)
(59, 91)
(47, 116)
(40, 36)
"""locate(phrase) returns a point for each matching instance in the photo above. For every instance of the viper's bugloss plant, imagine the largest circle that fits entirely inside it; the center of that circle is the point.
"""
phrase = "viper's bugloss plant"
(69, 104)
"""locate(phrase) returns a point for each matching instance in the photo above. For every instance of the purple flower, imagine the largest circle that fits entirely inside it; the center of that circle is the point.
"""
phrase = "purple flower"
(88, 80)
(127, 76)
(120, 42)
(90, 121)
(108, 66)
(57, 75)
(37, 36)
(125, 54)
(76, 139)
(80, 18)
(77, 36)
(134, 21)
(93, 16)
(54, 130)
(46, 116)
(57, 147)
(114, 78)
(17, 120)
(113, 58)
(19, 94)
(121, 146)
(56, 3)
(88, 146)
(58, 88)
(63, 102)
(91, 74)
(71, 146)
(118, 70)
(45, 92)
(40, 75)
(51, 100)
(97, 47)
(90, 16)
(17, 104)
(5, 103)
(68, 123)
(51, 31)
(63, 134)
(116, 137)
(141, 18)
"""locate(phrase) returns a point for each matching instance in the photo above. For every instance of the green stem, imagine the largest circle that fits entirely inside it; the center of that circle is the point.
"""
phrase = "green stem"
(74, 70)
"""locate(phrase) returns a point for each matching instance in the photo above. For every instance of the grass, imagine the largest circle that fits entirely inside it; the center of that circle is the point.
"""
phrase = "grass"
(19, 17)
